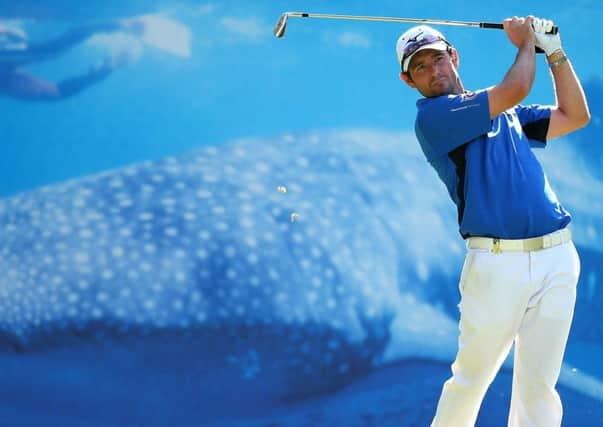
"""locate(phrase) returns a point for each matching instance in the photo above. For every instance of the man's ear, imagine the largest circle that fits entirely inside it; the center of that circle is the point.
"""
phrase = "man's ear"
(406, 78)
(455, 58)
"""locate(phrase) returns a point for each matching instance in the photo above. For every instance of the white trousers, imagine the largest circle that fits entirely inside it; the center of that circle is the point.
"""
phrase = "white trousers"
(522, 297)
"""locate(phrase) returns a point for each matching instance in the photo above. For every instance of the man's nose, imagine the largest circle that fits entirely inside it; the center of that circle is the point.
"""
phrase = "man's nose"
(431, 67)
(433, 70)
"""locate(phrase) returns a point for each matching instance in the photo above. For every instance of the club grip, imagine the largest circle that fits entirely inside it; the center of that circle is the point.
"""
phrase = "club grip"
(496, 26)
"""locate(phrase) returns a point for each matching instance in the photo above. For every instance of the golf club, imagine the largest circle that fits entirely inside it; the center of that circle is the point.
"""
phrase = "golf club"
(281, 24)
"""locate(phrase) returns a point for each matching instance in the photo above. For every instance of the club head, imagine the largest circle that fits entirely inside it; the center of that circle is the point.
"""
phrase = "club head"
(281, 24)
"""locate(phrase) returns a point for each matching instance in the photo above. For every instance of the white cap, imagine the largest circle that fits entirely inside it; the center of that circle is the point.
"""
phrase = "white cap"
(416, 39)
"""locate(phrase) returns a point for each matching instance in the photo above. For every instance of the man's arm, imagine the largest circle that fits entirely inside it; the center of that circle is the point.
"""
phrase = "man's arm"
(518, 81)
(571, 110)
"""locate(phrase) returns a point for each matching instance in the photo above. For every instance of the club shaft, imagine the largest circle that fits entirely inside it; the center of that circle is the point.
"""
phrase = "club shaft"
(393, 19)
(403, 20)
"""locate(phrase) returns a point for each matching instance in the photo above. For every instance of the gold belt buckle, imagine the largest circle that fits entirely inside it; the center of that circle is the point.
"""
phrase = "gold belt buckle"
(496, 246)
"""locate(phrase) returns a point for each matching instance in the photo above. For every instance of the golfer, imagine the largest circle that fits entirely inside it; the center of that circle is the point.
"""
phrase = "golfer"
(518, 283)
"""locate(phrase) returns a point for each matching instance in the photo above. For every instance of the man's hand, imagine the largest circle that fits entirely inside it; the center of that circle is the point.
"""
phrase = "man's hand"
(550, 43)
(519, 30)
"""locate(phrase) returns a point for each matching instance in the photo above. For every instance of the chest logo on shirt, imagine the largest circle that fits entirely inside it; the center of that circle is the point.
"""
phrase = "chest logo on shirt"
(495, 129)
(468, 96)
(511, 123)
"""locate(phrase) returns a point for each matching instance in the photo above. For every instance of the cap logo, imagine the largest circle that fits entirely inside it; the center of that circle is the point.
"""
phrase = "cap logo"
(412, 44)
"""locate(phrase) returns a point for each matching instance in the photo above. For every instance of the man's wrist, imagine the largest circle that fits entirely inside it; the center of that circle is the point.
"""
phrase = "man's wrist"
(556, 59)
(555, 55)
(528, 43)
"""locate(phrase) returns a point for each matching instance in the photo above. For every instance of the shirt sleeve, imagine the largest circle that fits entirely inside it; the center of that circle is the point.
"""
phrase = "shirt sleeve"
(534, 121)
(447, 122)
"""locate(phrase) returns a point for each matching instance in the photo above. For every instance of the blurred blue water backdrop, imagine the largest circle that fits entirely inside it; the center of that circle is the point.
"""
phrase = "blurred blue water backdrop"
(234, 230)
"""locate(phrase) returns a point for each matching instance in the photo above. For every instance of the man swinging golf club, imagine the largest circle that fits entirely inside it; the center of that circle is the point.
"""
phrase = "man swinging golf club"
(518, 282)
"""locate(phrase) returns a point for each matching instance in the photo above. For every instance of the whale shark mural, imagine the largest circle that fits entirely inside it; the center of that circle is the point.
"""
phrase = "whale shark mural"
(236, 278)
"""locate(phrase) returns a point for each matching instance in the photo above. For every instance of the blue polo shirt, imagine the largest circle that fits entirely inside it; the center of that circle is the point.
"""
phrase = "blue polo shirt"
(488, 167)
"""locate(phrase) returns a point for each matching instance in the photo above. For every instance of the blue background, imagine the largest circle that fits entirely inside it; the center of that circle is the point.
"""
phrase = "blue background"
(328, 90)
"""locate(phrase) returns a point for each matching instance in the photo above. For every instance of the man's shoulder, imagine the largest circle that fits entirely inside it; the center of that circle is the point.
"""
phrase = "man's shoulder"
(445, 101)
(431, 108)
(427, 102)
(436, 108)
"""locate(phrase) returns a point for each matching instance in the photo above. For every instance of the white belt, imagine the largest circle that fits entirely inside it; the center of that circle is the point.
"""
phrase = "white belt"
(520, 245)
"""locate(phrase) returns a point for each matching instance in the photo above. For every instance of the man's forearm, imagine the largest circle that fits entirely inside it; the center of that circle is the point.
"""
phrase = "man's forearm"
(516, 84)
(570, 98)
(521, 74)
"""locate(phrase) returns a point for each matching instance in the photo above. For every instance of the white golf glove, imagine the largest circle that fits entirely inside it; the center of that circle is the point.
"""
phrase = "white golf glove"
(550, 43)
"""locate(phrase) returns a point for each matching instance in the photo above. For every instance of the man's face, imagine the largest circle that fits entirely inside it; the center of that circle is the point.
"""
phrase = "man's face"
(433, 73)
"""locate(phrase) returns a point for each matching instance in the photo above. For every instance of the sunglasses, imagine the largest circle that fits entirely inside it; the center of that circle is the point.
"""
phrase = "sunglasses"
(415, 43)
